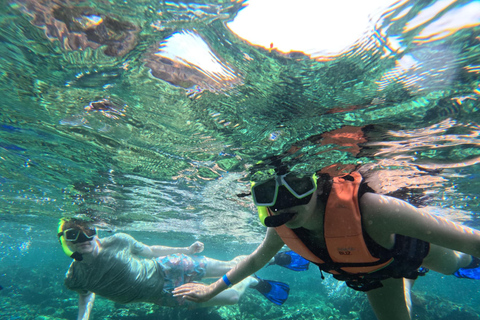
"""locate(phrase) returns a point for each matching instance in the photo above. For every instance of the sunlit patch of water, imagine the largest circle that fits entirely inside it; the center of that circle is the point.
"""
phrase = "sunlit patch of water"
(185, 59)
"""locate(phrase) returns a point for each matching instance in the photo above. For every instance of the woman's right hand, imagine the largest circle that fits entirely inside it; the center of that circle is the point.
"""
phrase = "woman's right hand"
(196, 292)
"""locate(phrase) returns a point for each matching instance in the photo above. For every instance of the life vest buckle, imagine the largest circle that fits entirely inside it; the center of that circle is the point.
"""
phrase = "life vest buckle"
(363, 284)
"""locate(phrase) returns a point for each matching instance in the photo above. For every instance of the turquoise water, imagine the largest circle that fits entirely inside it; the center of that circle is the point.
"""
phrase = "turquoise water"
(149, 118)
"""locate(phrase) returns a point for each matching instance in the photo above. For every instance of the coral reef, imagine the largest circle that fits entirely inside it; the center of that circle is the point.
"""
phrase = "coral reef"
(37, 294)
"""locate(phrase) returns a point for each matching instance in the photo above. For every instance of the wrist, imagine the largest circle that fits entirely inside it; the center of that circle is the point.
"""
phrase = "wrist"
(227, 281)
(216, 287)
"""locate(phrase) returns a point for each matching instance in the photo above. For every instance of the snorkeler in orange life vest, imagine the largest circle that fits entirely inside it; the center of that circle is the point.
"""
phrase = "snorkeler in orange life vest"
(377, 244)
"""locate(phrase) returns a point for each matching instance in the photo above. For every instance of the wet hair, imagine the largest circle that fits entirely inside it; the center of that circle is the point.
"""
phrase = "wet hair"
(77, 224)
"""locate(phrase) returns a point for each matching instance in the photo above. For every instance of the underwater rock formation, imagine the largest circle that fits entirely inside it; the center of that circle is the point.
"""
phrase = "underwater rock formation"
(79, 27)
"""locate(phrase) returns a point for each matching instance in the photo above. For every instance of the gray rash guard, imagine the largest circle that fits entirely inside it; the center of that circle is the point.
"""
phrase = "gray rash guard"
(118, 273)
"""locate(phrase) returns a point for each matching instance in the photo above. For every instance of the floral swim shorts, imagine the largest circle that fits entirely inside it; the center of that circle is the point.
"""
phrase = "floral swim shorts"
(180, 269)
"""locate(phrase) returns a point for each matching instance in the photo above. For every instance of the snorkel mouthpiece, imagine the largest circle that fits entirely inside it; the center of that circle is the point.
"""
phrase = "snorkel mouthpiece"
(77, 256)
(278, 220)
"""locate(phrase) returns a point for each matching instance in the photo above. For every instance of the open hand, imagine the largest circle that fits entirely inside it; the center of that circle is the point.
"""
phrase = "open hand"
(196, 247)
(196, 292)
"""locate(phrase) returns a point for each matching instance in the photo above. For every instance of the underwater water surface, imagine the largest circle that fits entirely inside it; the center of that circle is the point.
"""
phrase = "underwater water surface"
(151, 118)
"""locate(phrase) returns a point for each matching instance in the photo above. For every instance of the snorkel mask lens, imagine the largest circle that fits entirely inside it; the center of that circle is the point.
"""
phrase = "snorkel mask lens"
(266, 193)
(300, 187)
(78, 235)
(286, 199)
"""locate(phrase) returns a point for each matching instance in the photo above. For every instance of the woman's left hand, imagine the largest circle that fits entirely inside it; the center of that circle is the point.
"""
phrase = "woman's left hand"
(196, 292)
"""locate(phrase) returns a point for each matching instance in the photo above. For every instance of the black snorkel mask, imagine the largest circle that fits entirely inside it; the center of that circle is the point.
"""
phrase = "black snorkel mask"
(73, 235)
(282, 192)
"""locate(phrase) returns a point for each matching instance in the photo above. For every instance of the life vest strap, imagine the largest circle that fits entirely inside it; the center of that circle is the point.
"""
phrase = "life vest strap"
(353, 268)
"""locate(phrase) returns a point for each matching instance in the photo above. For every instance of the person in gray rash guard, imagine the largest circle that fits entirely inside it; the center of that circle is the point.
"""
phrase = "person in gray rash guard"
(125, 270)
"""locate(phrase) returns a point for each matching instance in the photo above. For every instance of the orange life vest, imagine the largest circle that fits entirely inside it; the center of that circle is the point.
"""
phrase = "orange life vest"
(342, 231)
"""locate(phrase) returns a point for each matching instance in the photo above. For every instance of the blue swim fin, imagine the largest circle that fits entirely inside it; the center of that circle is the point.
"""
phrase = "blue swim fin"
(276, 292)
(291, 260)
(472, 271)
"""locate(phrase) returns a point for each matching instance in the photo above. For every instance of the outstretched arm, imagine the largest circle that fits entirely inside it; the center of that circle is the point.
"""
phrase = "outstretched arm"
(384, 216)
(198, 292)
(85, 305)
(159, 251)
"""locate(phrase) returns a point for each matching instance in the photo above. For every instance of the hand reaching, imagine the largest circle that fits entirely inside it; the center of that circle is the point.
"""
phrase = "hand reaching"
(196, 292)
(196, 247)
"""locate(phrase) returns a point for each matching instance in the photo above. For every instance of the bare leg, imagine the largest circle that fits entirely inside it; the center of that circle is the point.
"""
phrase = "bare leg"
(217, 268)
(392, 301)
(445, 260)
(232, 295)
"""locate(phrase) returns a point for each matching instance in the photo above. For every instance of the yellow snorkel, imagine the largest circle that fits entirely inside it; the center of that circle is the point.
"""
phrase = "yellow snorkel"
(262, 214)
(262, 211)
(61, 238)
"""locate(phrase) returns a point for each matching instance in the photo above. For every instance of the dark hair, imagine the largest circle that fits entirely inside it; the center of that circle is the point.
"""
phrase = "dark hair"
(324, 186)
